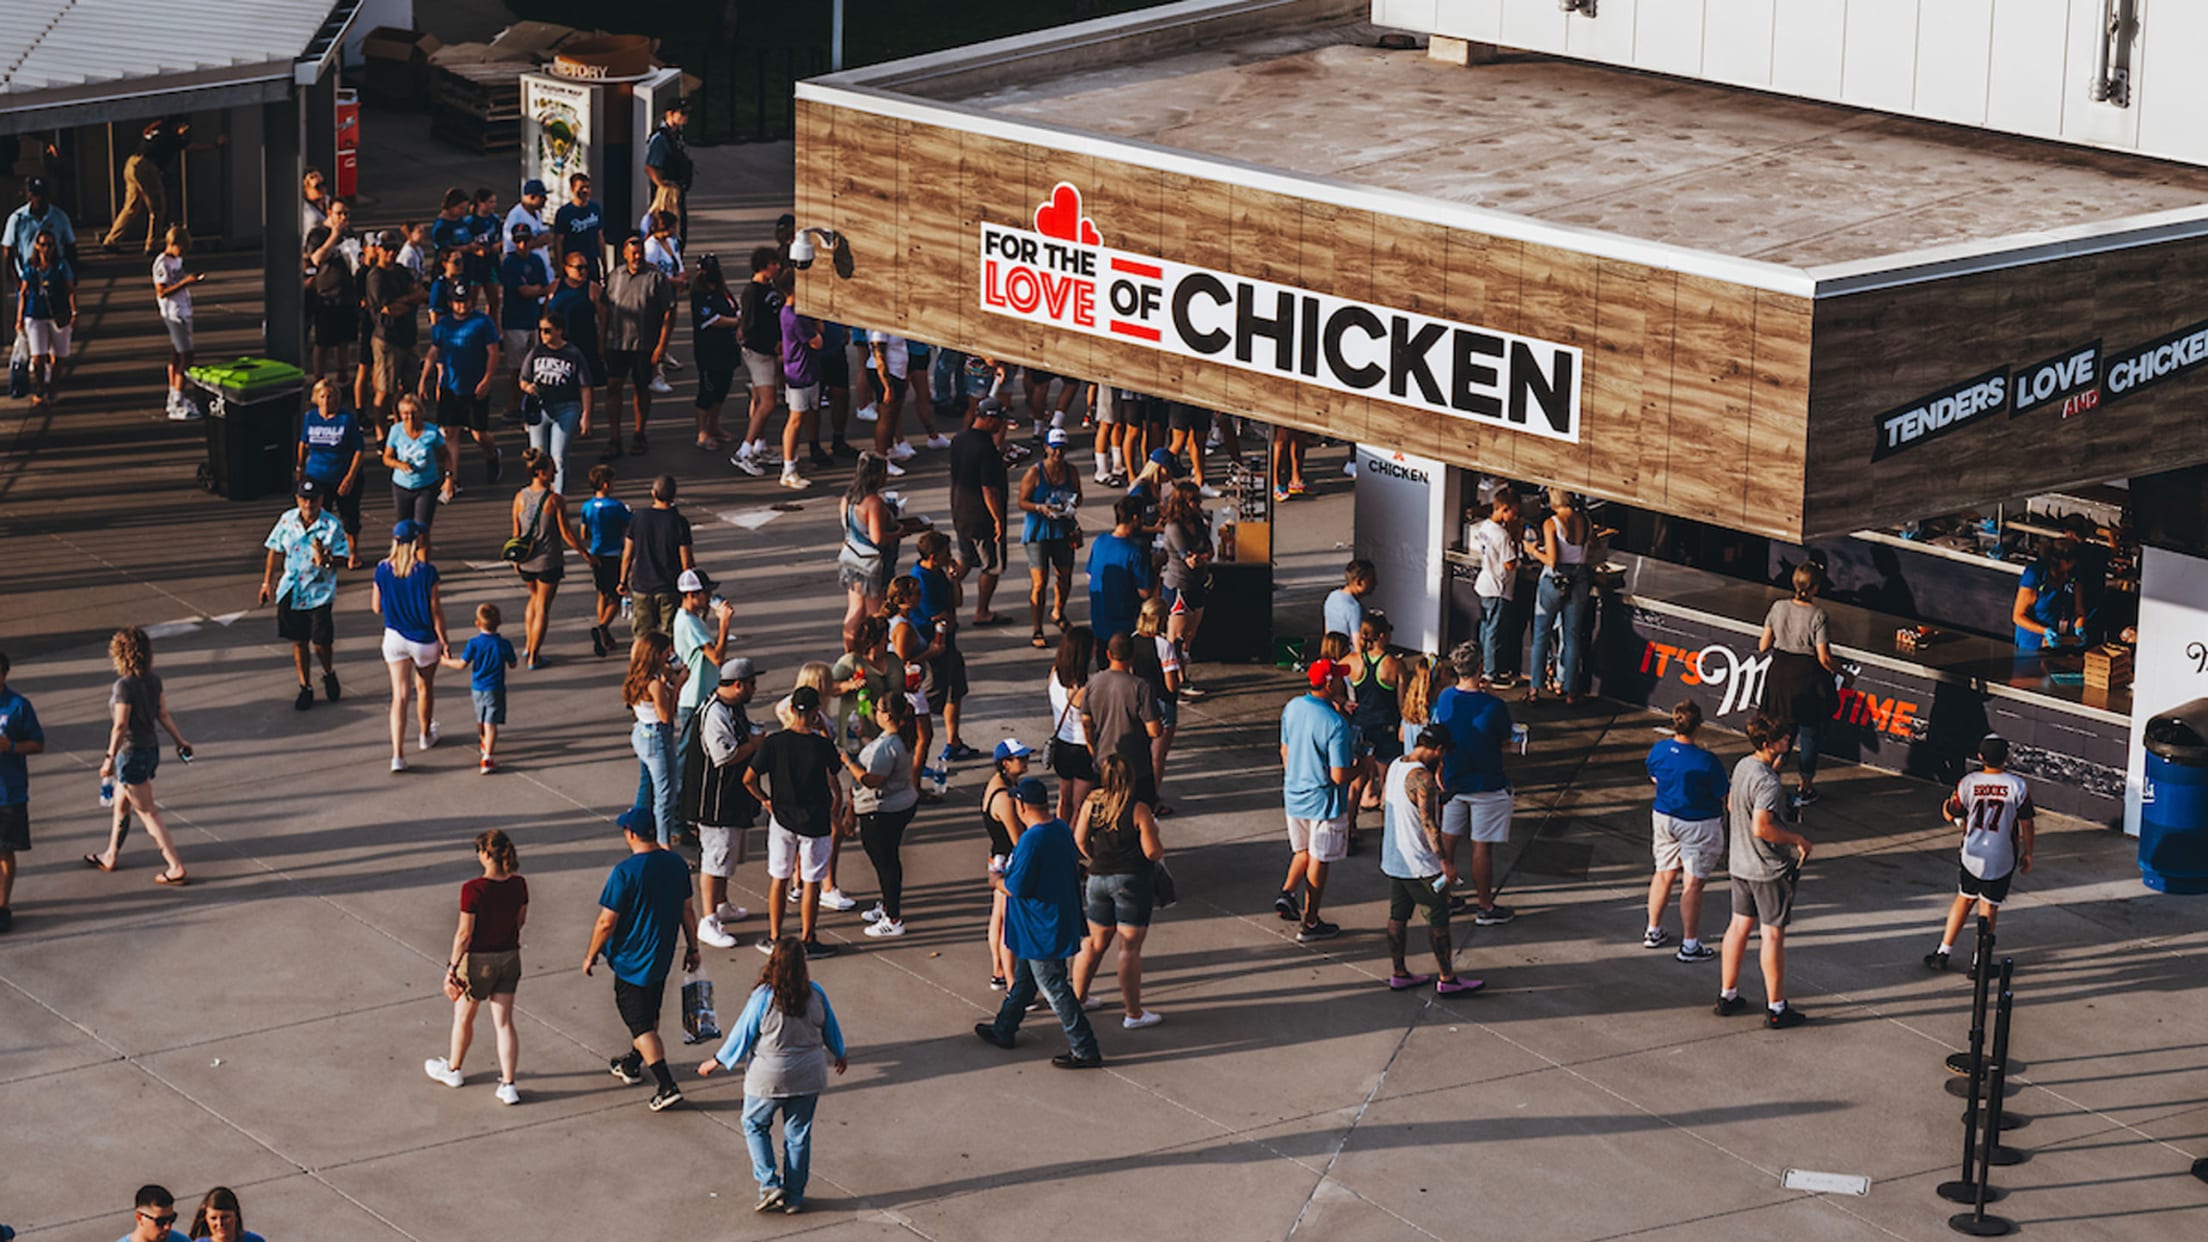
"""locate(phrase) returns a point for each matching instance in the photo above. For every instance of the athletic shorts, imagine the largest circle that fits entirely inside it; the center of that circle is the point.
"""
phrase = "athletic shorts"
(1696, 846)
(593, 362)
(1180, 601)
(1111, 408)
(1480, 816)
(949, 681)
(391, 367)
(1049, 554)
(304, 625)
(803, 398)
(835, 369)
(638, 1004)
(1182, 416)
(136, 765)
(1326, 840)
(490, 705)
(1404, 896)
(1071, 761)
(1992, 892)
(180, 335)
(553, 571)
(1769, 902)
(460, 409)
(1038, 381)
(764, 370)
(713, 386)
(15, 827)
(398, 648)
(789, 854)
(982, 550)
(491, 974)
(633, 365)
(44, 336)
(717, 850)
(605, 574)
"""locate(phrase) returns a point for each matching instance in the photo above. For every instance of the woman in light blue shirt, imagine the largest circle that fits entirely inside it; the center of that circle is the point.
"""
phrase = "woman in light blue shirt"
(424, 466)
(789, 1032)
(220, 1218)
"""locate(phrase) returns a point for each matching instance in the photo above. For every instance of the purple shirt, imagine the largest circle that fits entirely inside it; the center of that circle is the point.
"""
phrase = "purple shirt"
(800, 361)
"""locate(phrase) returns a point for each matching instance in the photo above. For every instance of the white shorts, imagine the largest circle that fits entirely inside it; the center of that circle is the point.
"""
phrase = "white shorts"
(716, 850)
(1697, 845)
(44, 336)
(1326, 840)
(398, 649)
(516, 343)
(765, 370)
(789, 853)
(1480, 816)
(180, 335)
(802, 399)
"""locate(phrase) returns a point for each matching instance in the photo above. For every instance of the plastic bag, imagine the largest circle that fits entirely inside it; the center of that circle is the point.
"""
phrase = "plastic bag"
(19, 369)
(698, 1020)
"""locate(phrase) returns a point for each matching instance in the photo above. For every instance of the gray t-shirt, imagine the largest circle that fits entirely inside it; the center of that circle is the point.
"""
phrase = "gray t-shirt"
(143, 694)
(1179, 543)
(636, 304)
(887, 755)
(1796, 627)
(1121, 705)
(1755, 788)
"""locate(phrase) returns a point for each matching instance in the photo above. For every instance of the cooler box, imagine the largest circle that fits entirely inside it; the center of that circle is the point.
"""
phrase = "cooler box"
(2173, 808)
(253, 409)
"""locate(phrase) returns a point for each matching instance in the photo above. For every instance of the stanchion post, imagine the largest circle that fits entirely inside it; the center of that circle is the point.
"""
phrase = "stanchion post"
(1981, 970)
(1977, 1222)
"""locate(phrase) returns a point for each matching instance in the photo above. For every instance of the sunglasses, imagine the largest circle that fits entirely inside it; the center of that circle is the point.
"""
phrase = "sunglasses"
(161, 1222)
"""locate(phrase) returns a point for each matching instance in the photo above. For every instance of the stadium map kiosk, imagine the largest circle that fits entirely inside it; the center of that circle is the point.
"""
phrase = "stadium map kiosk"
(1767, 280)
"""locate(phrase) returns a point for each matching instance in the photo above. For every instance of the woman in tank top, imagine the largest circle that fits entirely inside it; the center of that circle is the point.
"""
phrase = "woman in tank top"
(871, 533)
(1118, 836)
(647, 693)
(1049, 495)
(1565, 595)
(1000, 822)
(540, 515)
(1069, 751)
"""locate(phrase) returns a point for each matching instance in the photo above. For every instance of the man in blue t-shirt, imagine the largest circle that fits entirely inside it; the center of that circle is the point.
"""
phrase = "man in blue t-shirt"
(1689, 829)
(605, 535)
(1472, 776)
(1119, 574)
(579, 227)
(523, 281)
(646, 903)
(1042, 928)
(1318, 747)
(456, 373)
(20, 737)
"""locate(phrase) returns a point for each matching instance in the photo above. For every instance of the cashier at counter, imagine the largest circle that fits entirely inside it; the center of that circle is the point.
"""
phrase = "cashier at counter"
(2050, 609)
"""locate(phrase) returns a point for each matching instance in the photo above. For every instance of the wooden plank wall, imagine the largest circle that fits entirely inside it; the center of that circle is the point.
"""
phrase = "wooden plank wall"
(1694, 394)
(1880, 350)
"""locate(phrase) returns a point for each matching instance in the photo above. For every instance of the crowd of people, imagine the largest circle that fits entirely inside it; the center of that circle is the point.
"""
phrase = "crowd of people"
(559, 314)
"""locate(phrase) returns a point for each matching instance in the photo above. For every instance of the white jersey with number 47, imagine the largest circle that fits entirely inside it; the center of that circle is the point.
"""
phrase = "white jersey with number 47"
(1991, 803)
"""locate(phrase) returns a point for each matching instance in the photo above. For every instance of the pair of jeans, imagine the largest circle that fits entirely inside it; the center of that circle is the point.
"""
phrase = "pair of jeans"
(1049, 977)
(883, 835)
(797, 1142)
(1500, 630)
(555, 429)
(1805, 750)
(655, 779)
(1566, 600)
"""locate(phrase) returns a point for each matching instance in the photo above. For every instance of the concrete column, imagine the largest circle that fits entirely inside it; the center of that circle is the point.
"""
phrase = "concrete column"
(282, 166)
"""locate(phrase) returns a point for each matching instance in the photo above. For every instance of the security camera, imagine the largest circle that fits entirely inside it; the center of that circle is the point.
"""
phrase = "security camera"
(807, 242)
(801, 252)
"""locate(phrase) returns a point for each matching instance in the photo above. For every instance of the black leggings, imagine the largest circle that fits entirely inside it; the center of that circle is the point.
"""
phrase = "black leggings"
(347, 505)
(883, 835)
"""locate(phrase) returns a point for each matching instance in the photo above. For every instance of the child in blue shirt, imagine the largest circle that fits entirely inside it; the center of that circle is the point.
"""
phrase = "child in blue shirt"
(605, 528)
(486, 657)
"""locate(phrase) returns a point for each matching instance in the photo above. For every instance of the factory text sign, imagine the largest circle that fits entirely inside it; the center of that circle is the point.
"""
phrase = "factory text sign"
(1060, 274)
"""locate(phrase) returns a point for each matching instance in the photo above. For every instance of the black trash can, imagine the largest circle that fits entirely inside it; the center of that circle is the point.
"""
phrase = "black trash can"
(253, 411)
(2173, 804)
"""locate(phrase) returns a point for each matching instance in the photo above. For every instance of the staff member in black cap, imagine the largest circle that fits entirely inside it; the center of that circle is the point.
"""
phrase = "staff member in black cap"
(305, 544)
(145, 176)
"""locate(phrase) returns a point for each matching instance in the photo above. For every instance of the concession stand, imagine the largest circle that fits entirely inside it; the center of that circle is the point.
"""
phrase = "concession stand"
(1754, 327)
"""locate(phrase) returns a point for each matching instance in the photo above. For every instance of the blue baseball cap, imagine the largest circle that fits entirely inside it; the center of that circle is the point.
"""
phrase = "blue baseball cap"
(636, 822)
(1165, 458)
(407, 531)
(1011, 748)
(532, 186)
(1032, 791)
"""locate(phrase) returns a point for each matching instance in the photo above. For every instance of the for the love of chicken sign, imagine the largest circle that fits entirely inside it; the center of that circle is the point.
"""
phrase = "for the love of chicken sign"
(1061, 274)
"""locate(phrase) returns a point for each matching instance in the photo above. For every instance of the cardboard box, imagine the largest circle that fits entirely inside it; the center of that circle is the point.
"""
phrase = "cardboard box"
(396, 72)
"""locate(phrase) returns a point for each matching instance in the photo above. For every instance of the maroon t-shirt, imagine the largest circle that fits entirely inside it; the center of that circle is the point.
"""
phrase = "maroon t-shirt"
(496, 905)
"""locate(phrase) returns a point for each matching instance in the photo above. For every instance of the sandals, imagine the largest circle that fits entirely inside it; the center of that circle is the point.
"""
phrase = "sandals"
(1039, 642)
(173, 881)
(93, 861)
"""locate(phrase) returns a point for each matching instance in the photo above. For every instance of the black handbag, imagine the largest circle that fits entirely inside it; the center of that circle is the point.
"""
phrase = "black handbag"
(1165, 894)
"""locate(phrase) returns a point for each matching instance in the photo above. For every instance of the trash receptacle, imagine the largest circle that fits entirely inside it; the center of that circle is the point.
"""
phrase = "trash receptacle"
(2173, 805)
(252, 419)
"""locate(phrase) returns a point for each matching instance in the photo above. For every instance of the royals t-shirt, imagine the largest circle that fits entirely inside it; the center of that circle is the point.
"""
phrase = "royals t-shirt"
(1690, 782)
(331, 444)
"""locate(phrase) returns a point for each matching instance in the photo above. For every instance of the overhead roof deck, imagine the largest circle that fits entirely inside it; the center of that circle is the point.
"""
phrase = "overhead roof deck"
(1702, 167)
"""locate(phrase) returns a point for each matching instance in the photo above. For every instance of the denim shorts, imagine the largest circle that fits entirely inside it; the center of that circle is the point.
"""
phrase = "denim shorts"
(136, 767)
(1121, 900)
(490, 706)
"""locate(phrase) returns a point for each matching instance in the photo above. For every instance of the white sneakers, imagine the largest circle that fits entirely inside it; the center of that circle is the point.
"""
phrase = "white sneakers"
(398, 763)
(833, 899)
(660, 385)
(507, 1094)
(901, 451)
(793, 480)
(181, 408)
(938, 442)
(880, 928)
(743, 460)
(867, 413)
(727, 913)
(709, 932)
(1150, 1017)
(428, 738)
(893, 470)
(439, 1071)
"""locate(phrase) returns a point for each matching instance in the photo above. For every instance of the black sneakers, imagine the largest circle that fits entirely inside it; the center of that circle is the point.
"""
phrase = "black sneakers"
(1066, 1060)
(629, 1069)
(816, 949)
(1699, 953)
(1935, 960)
(305, 699)
(1731, 1006)
(330, 688)
(1320, 930)
(664, 1098)
(1493, 916)
(1287, 907)
(1785, 1019)
(987, 1033)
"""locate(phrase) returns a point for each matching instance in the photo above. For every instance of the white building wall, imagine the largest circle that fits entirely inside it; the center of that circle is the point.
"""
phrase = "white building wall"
(2021, 66)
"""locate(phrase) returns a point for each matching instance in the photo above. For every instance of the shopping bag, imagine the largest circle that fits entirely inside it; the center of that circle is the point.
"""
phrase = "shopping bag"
(19, 369)
(698, 1020)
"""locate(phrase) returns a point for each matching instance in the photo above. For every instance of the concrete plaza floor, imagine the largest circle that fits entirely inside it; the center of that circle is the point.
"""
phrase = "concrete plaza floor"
(264, 1027)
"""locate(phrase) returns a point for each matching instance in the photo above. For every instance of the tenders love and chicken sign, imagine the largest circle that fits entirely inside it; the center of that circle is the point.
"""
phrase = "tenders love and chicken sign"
(1060, 274)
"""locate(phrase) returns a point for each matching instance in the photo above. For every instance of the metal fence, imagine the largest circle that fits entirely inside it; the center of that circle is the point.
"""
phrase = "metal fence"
(746, 94)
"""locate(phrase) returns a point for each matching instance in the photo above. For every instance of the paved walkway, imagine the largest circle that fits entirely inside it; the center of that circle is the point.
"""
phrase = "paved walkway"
(265, 1027)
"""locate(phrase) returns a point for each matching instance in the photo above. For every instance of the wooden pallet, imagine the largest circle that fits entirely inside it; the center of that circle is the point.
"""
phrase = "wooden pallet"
(463, 129)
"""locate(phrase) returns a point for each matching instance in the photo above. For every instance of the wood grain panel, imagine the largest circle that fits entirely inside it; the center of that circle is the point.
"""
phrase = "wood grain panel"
(1334, 255)
(938, 261)
(1711, 355)
(1129, 201)
(1659, 353)
(1614, 377)
(1778, 410)
(1265, 240)
(1557, 302)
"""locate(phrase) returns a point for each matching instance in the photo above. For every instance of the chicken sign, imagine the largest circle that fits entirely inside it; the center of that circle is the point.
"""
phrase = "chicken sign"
(1059, 273)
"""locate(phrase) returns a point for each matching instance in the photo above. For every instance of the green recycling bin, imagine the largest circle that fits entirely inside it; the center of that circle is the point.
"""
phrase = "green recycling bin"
(252, 421)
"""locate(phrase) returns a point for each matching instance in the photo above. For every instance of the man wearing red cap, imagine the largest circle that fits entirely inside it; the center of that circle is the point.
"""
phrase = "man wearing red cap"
(1317, 750)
